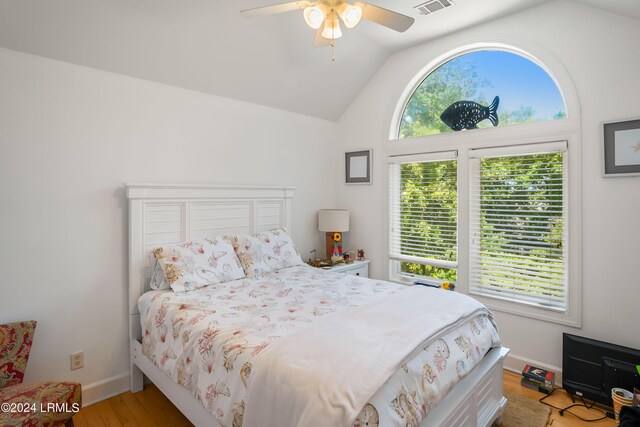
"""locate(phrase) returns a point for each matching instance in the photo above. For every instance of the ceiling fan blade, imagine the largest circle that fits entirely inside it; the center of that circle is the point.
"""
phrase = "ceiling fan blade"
(388, 18)
(319, 40)
(275, 8)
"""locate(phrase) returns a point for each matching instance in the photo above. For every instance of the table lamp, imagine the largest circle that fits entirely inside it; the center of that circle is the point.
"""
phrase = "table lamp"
(333, 222)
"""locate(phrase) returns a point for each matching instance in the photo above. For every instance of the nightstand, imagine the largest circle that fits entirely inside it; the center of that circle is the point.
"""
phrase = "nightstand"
(357, 268)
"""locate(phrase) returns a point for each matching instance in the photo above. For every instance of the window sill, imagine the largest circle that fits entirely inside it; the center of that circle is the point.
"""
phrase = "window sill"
(524, 310)
(401, 280)
(504, 306)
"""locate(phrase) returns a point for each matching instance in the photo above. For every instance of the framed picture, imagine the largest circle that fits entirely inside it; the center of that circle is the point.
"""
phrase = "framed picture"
(622, 148)
(358, 167)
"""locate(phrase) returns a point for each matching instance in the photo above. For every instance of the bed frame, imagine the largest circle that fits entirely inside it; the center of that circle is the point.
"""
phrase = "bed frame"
(162, 214)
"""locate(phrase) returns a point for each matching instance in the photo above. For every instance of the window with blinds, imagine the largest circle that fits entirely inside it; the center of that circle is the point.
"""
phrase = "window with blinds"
(518, 224)
(424, 213)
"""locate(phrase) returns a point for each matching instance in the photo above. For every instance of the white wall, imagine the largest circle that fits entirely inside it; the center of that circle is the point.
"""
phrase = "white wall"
(70, 137)
(599, 51)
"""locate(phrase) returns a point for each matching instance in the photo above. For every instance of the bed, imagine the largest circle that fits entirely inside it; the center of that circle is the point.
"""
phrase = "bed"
(244, 383)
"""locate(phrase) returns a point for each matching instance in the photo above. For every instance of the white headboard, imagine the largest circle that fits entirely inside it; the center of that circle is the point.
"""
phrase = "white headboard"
(161, 214)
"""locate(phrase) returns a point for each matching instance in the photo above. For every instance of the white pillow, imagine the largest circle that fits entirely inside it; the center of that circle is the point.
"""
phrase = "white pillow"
(266, 252)
(192, 265)
(158, 282)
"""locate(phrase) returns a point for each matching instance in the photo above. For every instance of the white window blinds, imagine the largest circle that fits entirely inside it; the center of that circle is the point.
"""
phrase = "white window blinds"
(423, 209)
(518, 224)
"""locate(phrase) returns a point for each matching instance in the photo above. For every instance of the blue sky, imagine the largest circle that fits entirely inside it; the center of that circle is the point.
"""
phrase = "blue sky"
(517, 81)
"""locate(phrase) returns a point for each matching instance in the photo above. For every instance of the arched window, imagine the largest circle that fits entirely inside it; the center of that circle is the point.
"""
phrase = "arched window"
(481, 89)
(495, 211)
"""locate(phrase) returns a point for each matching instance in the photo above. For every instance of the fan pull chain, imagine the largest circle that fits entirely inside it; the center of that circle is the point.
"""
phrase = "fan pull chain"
(332, 15)
(333, 44)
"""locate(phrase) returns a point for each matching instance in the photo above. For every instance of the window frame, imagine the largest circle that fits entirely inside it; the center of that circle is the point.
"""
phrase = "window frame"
(567, 129)
(395, 264)
(560, 79)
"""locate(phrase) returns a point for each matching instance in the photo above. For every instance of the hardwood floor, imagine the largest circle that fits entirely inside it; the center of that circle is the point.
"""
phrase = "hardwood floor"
(511, 382)
(146, 408)
(151, 408)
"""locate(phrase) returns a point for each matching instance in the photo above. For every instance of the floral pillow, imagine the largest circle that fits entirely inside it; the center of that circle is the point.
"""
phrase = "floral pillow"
(192, 265)
(266, 252)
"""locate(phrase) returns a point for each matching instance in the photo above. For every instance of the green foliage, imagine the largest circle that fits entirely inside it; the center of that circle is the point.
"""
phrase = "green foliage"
(528, 191)
(454, 81)
(429, 190)
(521, 214)
(522, 220)
(428, 230)
(521, 115)
(457, 80)
(444, 274)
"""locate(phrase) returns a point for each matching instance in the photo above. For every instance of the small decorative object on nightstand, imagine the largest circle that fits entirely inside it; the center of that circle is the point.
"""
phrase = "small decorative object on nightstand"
(333, 222)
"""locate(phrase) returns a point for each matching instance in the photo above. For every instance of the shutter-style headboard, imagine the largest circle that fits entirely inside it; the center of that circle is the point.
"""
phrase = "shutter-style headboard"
(161, 214)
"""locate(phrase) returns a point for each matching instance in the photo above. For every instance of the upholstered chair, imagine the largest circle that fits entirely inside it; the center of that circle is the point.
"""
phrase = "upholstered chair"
(43, 404)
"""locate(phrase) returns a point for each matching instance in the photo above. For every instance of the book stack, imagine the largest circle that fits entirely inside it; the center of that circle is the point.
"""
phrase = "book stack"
(538, 379)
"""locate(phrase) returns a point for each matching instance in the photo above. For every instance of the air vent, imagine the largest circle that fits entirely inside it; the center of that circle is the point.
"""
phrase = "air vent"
(432, 6)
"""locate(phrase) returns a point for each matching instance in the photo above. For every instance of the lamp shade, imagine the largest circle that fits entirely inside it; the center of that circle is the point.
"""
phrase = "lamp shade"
(314, 16)
(350, 14)
(333, 220)
(332, 28)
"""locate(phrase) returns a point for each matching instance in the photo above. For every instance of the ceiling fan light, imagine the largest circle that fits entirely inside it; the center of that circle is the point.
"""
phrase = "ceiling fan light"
(350, 14)
(314, 16)
(331, 29)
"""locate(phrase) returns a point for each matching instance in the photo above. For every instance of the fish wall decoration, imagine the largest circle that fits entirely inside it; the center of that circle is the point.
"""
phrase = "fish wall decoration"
(467, 114)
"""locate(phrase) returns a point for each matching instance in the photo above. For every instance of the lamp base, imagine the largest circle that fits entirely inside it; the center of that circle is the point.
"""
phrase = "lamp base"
(334, 249)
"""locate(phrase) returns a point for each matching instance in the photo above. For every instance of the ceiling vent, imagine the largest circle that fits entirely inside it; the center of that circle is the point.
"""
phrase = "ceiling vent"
(433, 6)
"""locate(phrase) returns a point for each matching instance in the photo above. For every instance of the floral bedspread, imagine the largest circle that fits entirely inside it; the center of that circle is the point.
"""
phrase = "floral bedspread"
(208, 339)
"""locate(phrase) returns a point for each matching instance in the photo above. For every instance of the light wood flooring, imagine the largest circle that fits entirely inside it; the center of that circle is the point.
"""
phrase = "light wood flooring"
(151, 408)
(511, 382)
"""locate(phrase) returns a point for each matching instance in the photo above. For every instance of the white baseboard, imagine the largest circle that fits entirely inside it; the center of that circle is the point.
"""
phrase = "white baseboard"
(515, 363)
(104, 389)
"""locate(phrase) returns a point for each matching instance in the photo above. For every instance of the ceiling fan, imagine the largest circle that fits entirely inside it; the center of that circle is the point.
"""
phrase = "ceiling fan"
(325, 15)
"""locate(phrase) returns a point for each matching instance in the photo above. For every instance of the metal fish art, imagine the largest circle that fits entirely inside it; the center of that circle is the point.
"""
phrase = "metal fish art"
(467, 114)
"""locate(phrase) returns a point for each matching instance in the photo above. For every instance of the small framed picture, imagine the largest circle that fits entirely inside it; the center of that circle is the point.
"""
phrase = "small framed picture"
(358, 167)
(622, 148)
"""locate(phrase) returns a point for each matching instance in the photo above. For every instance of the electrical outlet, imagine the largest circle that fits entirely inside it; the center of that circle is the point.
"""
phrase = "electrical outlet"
(77, 360)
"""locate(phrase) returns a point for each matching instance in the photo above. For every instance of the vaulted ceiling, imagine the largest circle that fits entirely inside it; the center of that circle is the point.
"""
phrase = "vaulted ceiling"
(205, 45)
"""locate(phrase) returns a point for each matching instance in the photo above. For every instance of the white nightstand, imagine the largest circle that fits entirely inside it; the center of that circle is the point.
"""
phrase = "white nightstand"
(357, 268)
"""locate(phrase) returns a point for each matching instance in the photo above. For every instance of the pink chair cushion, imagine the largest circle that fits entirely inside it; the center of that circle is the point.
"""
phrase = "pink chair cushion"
(47, 404)
(15, 344)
